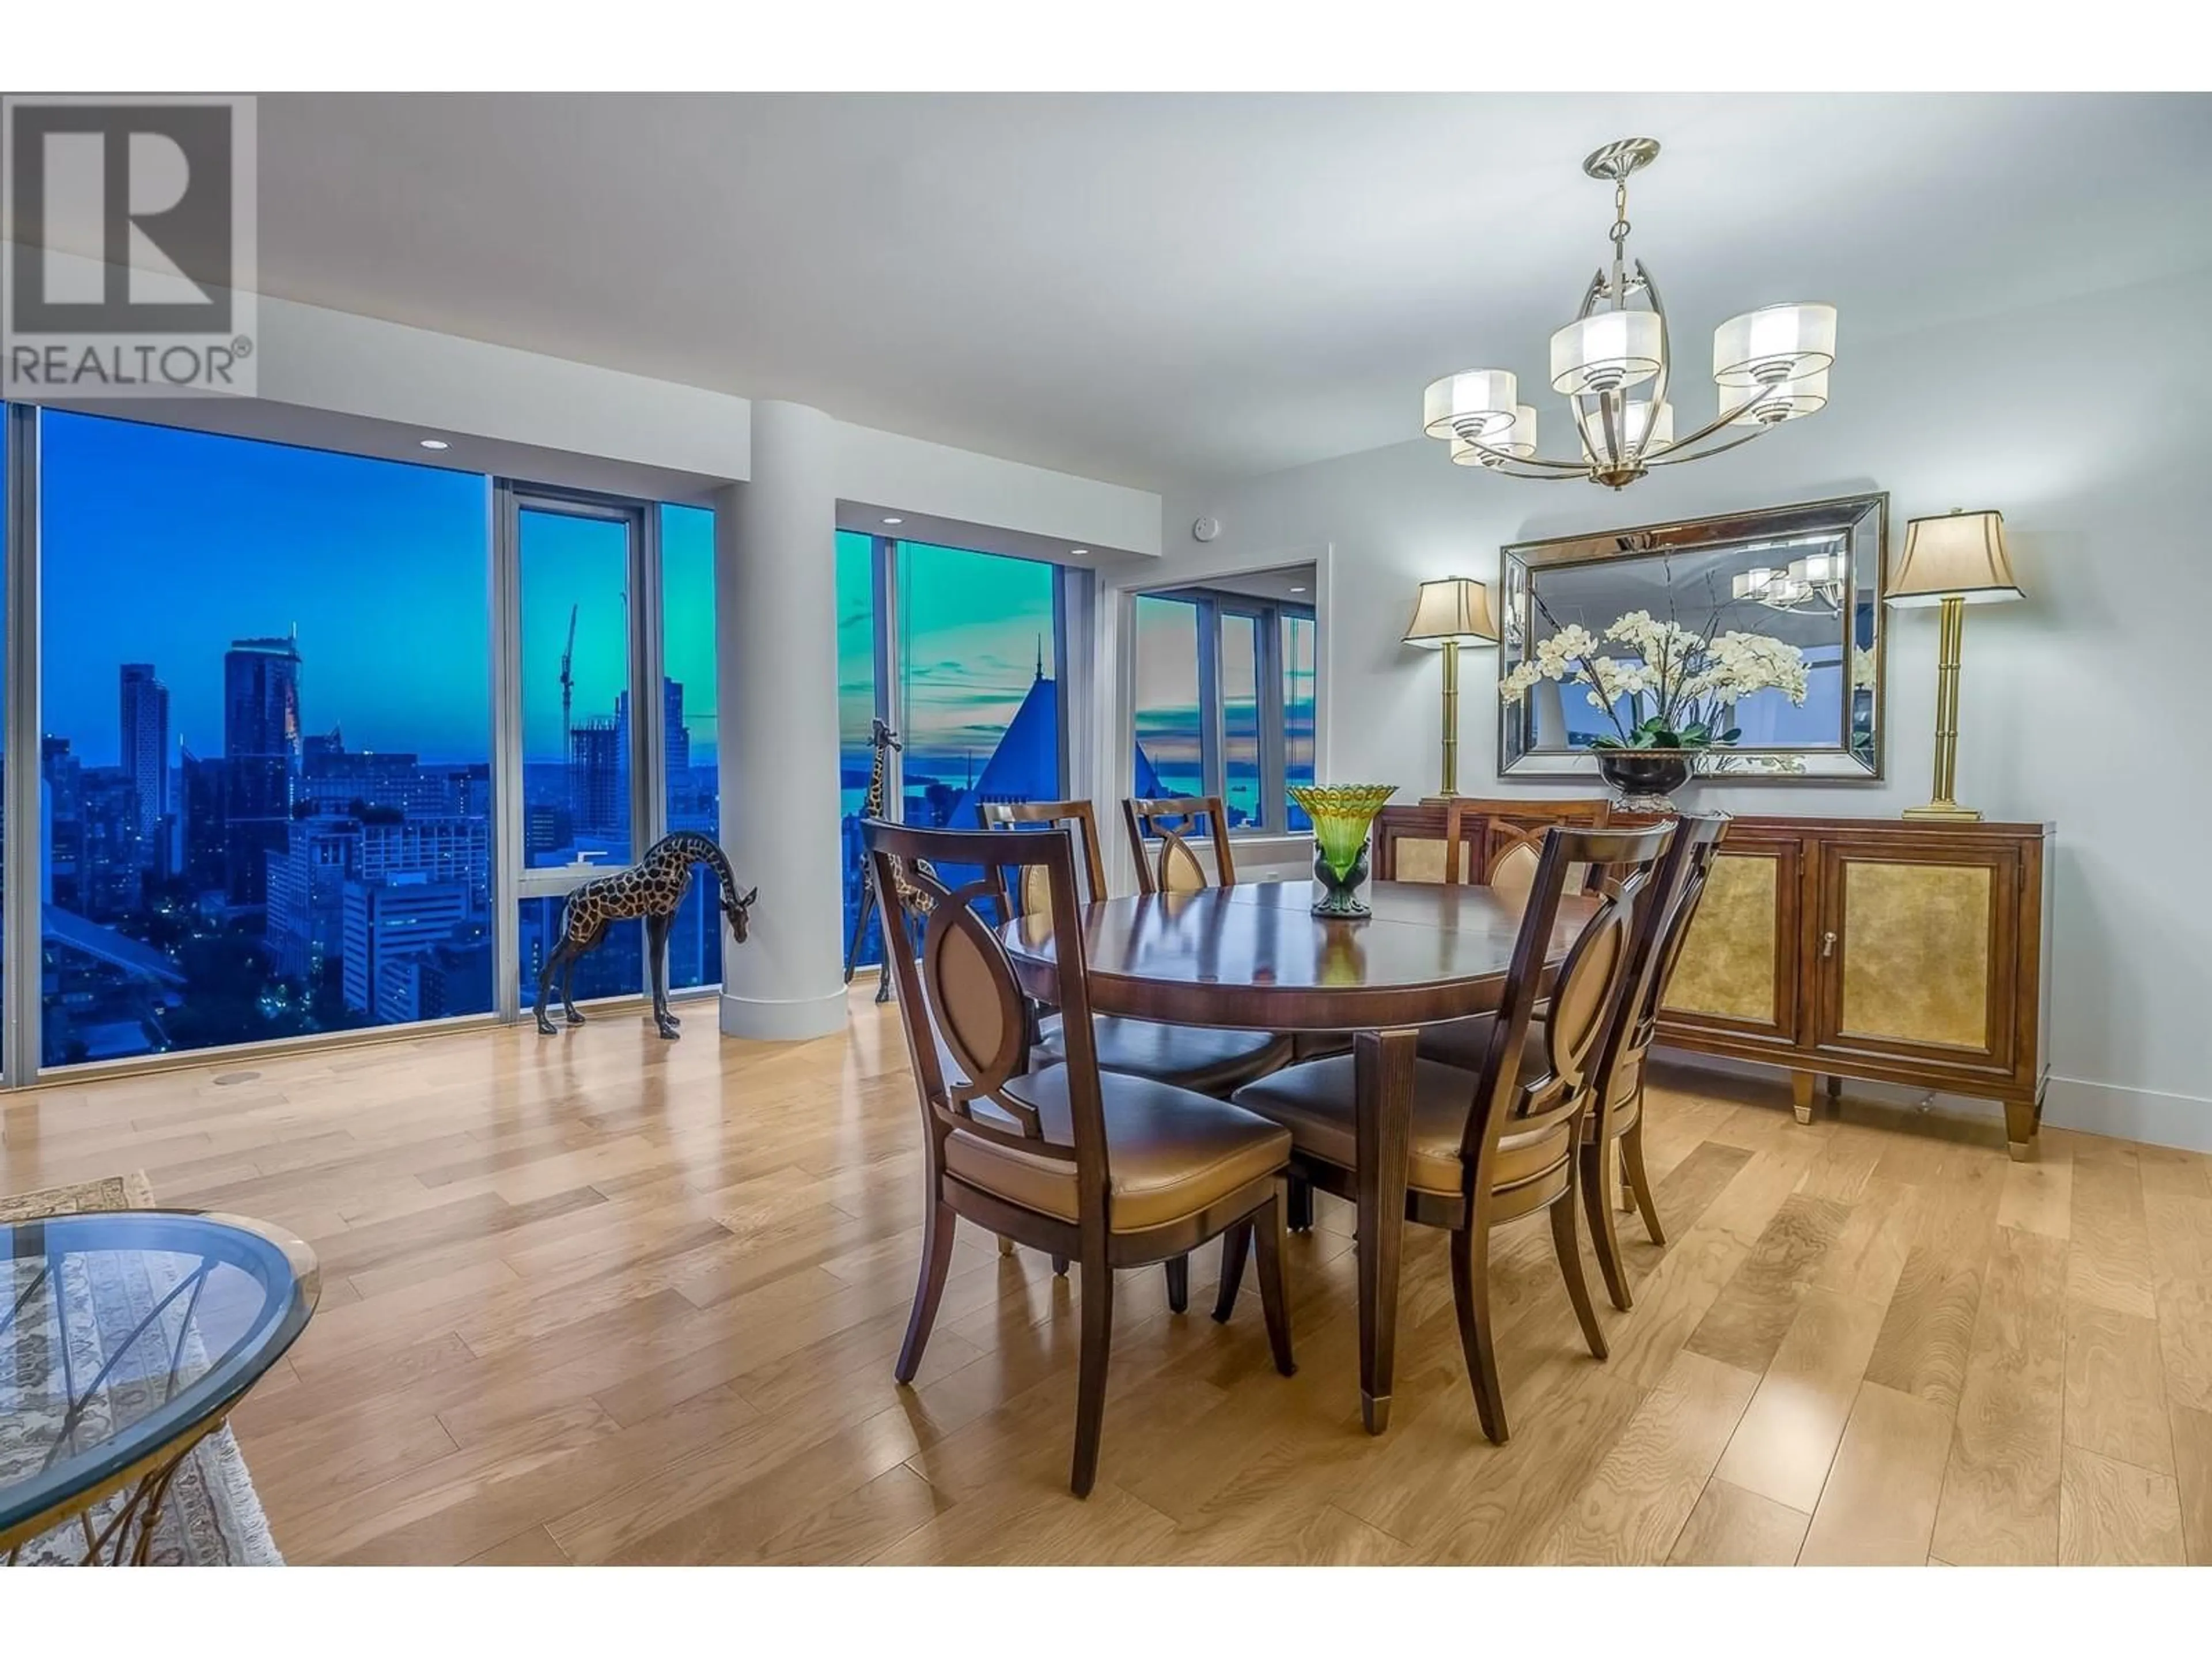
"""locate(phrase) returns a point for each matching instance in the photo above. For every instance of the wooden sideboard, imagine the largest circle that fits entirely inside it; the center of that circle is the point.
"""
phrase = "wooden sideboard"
(1896, 950)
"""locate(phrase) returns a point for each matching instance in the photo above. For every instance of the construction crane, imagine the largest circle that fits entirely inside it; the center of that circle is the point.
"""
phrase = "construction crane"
(568, 682)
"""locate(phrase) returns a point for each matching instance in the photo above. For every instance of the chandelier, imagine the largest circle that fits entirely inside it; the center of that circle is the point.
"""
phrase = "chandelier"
(1813, 583)
(1771, 365)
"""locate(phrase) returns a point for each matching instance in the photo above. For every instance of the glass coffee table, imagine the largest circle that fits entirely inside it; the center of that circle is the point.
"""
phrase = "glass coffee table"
(126, 1337)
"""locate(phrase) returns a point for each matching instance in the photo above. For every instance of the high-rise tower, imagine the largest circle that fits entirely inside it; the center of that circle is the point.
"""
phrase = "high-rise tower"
(145, 751)
(261, 759)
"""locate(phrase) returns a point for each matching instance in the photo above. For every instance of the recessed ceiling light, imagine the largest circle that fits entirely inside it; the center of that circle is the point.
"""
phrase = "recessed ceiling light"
(433, 443)
(894, 520)
(1079, 552)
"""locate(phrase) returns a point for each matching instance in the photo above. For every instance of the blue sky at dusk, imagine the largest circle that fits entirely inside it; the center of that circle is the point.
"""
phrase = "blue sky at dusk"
(163, 546)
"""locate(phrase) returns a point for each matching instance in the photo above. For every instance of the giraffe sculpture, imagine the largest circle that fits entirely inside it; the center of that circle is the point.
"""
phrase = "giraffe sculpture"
(653, 888)
(912, 900)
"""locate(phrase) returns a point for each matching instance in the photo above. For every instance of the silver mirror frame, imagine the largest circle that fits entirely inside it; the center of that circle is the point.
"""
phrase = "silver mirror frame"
(1862, 520)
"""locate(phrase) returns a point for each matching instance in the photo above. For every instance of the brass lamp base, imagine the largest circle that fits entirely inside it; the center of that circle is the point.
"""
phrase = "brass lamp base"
(1945, 811)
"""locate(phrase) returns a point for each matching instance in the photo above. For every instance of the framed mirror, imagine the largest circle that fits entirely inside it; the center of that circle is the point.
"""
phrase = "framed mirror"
(1754, 639)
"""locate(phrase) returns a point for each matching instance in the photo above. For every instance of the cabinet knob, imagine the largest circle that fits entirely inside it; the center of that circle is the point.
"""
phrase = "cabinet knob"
(1828, 943)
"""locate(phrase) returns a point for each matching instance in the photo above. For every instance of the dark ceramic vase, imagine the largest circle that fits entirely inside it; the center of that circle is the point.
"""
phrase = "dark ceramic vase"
(1645, 780)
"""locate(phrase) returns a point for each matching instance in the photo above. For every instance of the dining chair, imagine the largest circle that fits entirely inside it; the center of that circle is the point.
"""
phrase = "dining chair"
(1113, 1170)
(1172, 820)
(1499, 1142)
(1617, 1113)
(1211, 1062)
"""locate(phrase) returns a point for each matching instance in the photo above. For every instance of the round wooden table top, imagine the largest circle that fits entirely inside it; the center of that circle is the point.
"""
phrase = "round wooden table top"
(1255, 956)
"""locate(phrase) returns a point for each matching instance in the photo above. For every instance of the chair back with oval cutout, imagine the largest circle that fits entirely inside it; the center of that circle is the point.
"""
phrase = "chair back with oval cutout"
(1585, 994)
(1030, 893)
(966, 1018)
(1171, 821)
(1676, 888)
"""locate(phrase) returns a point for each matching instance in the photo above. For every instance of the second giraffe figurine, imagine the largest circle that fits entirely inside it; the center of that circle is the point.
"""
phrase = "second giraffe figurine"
(654, 889)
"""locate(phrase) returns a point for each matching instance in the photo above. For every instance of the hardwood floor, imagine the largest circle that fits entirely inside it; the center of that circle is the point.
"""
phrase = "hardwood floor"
(605, 1298)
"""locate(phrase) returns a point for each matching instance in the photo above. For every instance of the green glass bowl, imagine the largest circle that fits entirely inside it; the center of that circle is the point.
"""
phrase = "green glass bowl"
(1341, 815)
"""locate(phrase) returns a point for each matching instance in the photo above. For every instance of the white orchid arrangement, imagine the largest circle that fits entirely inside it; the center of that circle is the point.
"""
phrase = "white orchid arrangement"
(1693, 680)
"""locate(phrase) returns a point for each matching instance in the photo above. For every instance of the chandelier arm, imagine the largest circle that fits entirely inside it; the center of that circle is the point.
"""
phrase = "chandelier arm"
(1510, 466)
(1725, 418)
(1671, 459)
(1498, 457)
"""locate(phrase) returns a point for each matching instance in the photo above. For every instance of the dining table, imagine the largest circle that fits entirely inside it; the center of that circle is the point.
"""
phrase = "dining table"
(1252, 956)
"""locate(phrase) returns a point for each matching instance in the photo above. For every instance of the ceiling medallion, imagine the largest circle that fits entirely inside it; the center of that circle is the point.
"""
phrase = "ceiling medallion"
(1770, 366)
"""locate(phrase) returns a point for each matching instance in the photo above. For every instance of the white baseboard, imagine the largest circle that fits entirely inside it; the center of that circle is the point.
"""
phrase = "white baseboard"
(2095, 1108)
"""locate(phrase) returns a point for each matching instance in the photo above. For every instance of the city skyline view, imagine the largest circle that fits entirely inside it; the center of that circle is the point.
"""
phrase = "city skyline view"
(267, 800)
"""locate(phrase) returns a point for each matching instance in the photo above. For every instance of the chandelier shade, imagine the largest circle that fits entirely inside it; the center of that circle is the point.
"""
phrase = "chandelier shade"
(1774, 342)
(1770, 366)
(1475, 404)
(1608, 351)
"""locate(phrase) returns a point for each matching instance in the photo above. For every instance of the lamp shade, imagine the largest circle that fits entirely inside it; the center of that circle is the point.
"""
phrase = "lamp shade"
(1774, 342)
(1607, 351)
(1455, 608)
(1960, 555)
(1475, 402)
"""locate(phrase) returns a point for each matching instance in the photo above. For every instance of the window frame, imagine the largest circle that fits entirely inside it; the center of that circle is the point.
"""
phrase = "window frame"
(1267, 615)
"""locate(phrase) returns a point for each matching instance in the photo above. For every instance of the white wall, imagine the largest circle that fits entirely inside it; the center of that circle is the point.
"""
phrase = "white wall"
(892, 470)
(2084, 705)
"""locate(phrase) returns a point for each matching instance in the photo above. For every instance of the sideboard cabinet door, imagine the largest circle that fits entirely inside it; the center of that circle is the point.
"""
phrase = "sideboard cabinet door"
(1737, 977)
(1917, 950)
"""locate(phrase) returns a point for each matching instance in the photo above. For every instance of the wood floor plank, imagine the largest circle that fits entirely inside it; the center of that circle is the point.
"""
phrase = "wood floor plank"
(1999, 1502)
(610, 1297)
(2115, 1388)
(2113, 1514)
(1878, 1508)
(1787, 1439)
(2192, 1468)
(1631, 1510)
(1733, 1528)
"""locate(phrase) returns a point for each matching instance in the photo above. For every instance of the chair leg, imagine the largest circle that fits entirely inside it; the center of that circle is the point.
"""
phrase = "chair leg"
(1301, 1204)
(1590, 1155)
(937, 1233)
(1236, 1244)
(1266, 1227)
(1179, 1284)
(1470, 1270)
(1566, 1242)
(1632, 1166)
(1091, 1381)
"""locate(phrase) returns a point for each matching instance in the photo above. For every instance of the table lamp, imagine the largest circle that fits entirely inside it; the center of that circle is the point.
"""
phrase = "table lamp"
(1953, 561)
(1448, 614)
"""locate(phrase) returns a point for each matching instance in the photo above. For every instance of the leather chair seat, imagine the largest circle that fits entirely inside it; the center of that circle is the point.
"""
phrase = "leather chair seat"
(1316, 1103)
(1189, 1056)
(1169, 1153)
(1462, 1042)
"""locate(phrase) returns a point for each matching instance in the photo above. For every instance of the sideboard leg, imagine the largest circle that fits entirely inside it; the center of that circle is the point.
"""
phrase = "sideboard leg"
(1835, 1087)
(2019, 1130)
(1800, 1095)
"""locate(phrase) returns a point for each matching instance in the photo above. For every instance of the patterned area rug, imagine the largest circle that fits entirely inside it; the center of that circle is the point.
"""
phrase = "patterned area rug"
(211, 1518)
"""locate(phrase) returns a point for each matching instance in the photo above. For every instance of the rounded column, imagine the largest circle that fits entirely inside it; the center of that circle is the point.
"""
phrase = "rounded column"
(776, 639)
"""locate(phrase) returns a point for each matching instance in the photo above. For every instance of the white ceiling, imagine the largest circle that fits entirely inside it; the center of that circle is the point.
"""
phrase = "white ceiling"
(1159, 289)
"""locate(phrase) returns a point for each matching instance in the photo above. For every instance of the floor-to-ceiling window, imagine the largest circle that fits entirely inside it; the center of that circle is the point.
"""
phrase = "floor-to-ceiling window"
(266, 766)
(1170, 743)
(973, 642)
(979, 704)
(1300, 681)
(1223, 689)
(690, 732)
